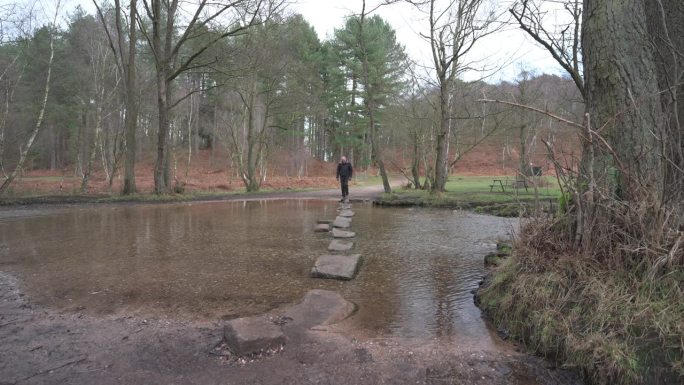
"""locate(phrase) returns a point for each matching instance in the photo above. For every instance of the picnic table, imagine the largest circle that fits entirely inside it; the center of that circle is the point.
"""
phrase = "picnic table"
(502, 183)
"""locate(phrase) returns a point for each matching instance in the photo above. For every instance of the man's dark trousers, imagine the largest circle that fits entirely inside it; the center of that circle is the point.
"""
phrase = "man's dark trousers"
(344, 182)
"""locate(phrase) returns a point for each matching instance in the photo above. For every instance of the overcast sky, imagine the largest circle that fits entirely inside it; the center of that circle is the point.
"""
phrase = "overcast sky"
(507, 51)
(509, 48)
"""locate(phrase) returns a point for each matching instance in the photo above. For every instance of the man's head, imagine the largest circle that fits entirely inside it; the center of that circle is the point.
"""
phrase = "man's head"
(343, 159)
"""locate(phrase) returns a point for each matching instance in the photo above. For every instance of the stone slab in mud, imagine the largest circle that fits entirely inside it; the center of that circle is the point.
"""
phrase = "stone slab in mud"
(338, 233)
(322, 228)
(346, 213)
(251, 335)
(342, 267)
(342, 222)
(340, 246)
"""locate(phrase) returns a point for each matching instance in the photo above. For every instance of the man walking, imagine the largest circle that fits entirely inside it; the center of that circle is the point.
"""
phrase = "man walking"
(344, 173)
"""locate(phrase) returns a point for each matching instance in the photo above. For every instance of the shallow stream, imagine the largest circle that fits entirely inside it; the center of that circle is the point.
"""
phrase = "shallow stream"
(228, 259)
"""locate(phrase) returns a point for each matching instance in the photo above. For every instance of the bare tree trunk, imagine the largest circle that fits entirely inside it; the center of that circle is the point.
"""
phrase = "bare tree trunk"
(415, 163)
(128, 72)
(441, 153)
(190, 122)
(131, 119)
(375, 147)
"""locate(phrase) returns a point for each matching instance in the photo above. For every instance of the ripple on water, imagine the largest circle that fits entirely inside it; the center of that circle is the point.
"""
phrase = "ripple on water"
(229, 259)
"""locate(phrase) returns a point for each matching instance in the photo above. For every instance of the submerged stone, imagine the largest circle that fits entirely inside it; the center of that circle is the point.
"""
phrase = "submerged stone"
(346, 213)
(343, 267)
(251, 335)
(337, 233)
(337, 245)
(342, 222)
(324, 221)
(322, 228)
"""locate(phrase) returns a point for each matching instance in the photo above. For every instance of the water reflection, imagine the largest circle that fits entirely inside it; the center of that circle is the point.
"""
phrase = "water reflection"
(228, 259)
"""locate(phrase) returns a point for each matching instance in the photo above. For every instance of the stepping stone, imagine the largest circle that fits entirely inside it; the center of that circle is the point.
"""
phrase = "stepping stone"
(251, 335)
(318, 308)
(337, 233)
(324, 221)
(342, 222)
(345, 206)
(337, 245)
(322, 228)
(343, 267)
(346, 213)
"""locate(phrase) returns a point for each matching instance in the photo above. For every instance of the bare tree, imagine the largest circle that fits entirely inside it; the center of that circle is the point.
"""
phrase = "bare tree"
(563, 42)
(168, 38)
(454, 29)
(126, 63)
(100, 68)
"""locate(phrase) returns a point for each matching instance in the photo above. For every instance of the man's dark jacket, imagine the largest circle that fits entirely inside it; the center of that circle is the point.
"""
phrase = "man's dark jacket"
(344, 170)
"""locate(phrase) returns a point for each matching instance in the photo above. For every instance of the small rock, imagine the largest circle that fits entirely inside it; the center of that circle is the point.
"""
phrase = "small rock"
(251, 335)
(337, 245)
(337, 233)
(322, 228)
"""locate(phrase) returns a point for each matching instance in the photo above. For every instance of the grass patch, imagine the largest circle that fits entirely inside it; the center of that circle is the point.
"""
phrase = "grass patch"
(616, 325)
(473, 192)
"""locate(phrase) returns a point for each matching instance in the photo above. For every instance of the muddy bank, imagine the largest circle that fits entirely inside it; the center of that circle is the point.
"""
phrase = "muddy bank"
(48, 346)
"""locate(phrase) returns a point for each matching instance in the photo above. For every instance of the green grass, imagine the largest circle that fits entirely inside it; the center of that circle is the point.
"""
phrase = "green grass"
(474, 191)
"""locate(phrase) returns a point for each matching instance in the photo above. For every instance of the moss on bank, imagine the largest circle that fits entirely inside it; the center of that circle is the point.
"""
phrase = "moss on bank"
(617, 327)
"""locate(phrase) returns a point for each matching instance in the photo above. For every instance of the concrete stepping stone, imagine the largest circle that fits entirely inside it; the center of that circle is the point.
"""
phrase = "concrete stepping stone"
(318, 308)
(346, 213)
(344, 206)
(337, 245)
(337, 233)
(250, 335)
(342, 222)
(342, 267)
(322, 228)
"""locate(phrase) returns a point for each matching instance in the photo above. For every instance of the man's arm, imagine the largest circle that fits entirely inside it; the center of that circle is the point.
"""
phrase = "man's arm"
(337, 176)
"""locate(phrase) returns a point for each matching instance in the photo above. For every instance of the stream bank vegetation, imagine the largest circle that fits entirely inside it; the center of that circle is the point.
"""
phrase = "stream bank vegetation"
(598, 285)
